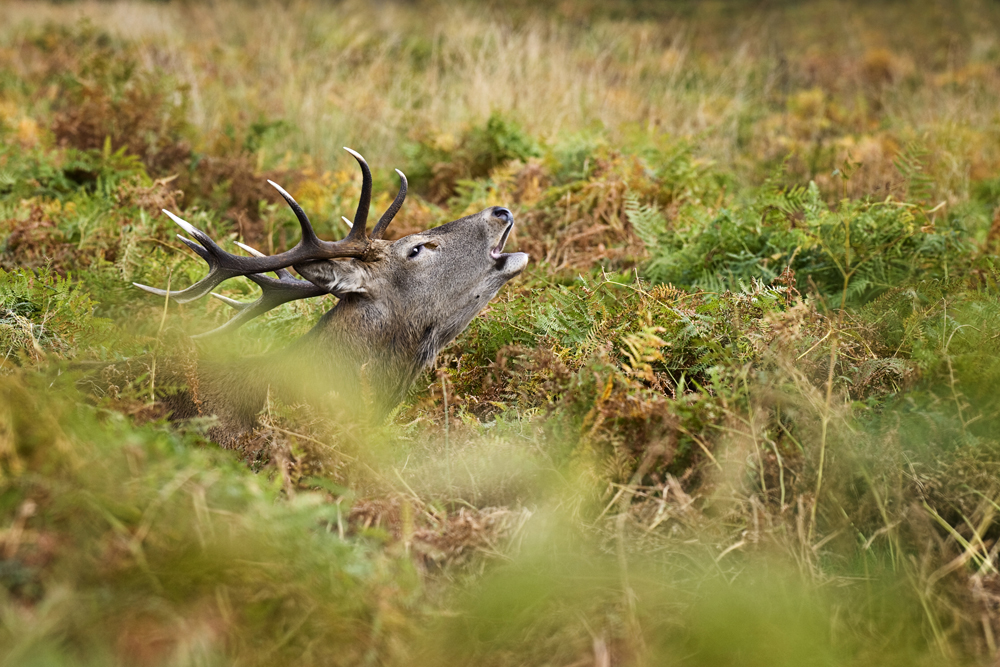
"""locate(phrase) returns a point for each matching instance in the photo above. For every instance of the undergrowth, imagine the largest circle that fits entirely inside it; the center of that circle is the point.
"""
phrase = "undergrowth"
(741, 408)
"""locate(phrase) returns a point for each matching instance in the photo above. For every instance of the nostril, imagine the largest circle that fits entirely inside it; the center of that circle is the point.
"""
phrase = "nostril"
(504, 214)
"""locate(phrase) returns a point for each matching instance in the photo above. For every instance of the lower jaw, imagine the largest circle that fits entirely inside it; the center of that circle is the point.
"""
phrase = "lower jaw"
(514, 263)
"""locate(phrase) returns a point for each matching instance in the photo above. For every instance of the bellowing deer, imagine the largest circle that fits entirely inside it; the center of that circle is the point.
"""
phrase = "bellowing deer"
(399, 303)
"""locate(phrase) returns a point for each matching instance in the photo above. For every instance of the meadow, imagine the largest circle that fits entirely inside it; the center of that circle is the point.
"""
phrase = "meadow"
(742, 408)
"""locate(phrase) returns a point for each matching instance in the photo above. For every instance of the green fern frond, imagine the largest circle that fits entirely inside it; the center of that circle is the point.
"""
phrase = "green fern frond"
(647, 220)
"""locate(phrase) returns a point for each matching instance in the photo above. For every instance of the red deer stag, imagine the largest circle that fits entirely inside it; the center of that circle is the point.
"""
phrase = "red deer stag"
(399, 303)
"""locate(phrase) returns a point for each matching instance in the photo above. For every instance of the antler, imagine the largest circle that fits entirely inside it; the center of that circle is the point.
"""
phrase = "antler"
(223, 265)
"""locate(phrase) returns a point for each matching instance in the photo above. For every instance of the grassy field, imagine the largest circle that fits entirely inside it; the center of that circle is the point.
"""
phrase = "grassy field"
(742, 408)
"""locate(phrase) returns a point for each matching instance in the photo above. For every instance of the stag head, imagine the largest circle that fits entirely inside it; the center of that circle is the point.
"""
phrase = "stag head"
(399, 301)
(440, 278)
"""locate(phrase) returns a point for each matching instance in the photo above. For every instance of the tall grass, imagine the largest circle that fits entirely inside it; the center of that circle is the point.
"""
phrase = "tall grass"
(770, 83)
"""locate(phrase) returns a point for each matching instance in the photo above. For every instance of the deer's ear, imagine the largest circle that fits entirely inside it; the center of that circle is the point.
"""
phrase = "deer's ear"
(338, 276)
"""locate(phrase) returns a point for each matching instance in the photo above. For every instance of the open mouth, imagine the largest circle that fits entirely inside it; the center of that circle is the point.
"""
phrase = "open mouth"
(496, 253)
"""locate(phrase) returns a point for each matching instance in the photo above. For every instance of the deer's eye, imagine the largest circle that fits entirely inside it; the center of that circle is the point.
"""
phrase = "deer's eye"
(418, 248)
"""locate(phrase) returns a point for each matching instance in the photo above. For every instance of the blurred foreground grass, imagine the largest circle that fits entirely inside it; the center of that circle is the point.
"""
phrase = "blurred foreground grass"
(741, 409)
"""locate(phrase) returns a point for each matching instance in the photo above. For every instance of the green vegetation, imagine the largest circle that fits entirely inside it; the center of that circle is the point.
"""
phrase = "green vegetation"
(742, 407)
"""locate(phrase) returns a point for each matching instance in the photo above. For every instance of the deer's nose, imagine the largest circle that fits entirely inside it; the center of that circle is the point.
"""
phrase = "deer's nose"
(503, 214)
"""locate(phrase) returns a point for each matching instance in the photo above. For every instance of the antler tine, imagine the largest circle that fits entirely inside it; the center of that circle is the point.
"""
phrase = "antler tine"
(364, 202)
(393, 209)
(308, 235)
(249, 249)
(201, 252)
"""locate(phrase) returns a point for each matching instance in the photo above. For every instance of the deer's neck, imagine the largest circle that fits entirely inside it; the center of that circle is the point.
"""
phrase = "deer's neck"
(365, 346)
(362, 351)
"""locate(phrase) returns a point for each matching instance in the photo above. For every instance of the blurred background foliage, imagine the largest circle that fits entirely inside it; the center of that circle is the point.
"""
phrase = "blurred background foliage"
(741, 409)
